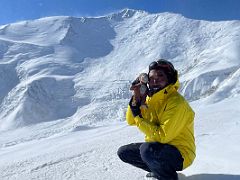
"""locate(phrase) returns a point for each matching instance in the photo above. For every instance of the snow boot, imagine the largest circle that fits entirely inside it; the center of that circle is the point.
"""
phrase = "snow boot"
(151, 175)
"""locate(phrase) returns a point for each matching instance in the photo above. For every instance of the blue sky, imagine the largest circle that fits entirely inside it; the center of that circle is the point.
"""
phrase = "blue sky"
(213, 10)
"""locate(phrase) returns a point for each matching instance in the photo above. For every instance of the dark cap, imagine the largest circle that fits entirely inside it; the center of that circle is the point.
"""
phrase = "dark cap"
(165, 66)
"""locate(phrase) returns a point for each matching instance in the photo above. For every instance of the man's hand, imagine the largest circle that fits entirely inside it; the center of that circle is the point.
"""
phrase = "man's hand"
(135, 108)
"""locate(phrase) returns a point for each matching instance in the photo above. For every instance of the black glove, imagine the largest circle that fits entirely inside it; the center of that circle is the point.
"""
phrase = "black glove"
(135, 109)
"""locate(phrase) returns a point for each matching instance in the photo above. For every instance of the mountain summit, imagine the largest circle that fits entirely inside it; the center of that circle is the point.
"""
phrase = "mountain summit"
(61, 67)
(65, 89)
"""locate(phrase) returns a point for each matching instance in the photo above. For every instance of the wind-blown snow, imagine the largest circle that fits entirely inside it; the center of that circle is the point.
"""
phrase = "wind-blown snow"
(65, 88)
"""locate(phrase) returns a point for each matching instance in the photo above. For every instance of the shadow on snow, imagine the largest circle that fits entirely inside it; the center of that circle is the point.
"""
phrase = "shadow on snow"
(209, 177)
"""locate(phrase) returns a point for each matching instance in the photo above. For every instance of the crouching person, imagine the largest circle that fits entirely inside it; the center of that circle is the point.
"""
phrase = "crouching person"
(168, 124)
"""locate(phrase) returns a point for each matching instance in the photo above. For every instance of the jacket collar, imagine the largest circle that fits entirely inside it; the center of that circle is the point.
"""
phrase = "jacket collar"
(164, 93)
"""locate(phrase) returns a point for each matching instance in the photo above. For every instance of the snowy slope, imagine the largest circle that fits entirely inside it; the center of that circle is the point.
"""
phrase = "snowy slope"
(90, 153)
(65, 87)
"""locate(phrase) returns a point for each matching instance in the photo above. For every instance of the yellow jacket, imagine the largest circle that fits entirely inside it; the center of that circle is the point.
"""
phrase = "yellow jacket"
(168, 119)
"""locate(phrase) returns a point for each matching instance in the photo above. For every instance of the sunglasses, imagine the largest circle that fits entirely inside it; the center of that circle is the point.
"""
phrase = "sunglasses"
(161, 64)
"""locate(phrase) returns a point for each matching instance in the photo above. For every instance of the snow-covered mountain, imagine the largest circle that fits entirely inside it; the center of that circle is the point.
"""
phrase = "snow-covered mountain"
(65, 81)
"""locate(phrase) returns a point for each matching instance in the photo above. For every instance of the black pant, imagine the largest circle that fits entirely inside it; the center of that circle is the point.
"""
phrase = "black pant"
(161, 159)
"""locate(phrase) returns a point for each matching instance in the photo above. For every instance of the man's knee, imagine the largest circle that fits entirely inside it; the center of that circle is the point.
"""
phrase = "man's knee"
(129, 152)
(122, 153)
(125, 152)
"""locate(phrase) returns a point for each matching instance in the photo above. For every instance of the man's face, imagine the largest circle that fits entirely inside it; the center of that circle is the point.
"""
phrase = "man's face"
(157, 79)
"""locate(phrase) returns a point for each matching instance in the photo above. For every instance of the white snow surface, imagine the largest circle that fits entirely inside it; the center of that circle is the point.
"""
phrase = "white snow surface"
(65, 88)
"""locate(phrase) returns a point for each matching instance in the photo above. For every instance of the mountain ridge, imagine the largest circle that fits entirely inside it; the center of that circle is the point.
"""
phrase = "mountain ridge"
(89, 62)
